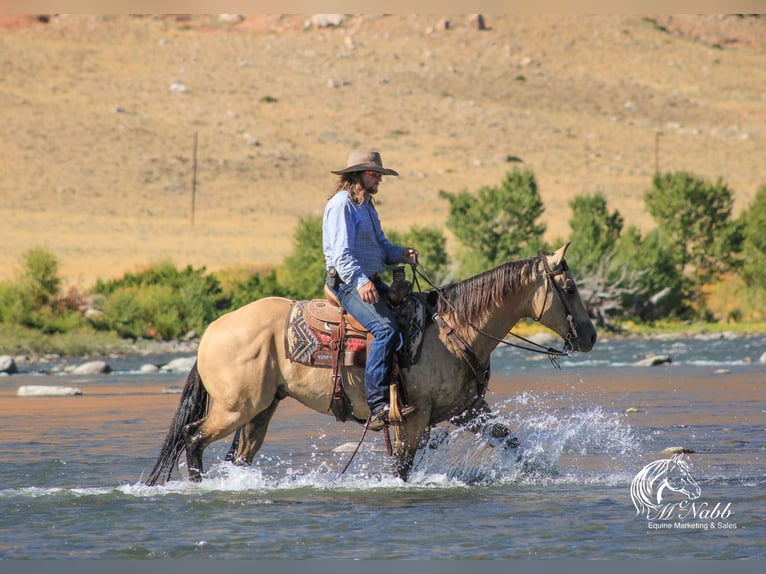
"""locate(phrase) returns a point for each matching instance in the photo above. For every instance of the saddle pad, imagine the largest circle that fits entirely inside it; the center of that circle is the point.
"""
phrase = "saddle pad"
(309, 346)
(412, 324)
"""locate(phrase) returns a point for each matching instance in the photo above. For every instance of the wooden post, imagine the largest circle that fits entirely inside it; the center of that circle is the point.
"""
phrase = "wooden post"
(194, 178)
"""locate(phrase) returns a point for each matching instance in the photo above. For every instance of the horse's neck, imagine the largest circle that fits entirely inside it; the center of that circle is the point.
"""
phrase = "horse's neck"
(508, 310)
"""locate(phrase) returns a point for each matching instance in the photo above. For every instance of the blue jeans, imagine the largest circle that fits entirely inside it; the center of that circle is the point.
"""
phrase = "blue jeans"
(379, 320)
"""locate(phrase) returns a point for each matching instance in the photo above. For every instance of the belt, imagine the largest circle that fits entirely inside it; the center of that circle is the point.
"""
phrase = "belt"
(332, 273)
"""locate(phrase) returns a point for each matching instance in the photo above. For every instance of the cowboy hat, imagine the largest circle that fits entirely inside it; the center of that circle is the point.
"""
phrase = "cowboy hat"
(363, 160)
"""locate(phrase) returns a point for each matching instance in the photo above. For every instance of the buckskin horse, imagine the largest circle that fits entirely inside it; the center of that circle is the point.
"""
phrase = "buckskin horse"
(243, 370)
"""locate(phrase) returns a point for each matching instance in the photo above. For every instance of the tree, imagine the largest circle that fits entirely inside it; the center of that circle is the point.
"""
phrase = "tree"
(753, 221)
(497, 224)
(39, 275)
(302, 272)
(595, 232)
(432, 250)
(651, 262)
(695, 217)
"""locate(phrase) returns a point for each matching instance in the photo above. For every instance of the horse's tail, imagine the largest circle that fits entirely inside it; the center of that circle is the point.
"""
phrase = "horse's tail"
(191, 408)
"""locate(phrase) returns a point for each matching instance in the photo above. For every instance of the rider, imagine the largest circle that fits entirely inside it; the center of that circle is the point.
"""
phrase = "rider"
(356, 252)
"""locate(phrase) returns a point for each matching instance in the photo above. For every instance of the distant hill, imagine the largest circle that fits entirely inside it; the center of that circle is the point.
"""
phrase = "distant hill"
(99, 117)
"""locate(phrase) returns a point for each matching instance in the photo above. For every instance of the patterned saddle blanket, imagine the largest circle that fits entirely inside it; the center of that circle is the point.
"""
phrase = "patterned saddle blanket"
(308, 336)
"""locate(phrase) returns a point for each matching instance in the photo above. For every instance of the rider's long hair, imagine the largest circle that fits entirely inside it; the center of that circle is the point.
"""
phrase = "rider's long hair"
(353, 183)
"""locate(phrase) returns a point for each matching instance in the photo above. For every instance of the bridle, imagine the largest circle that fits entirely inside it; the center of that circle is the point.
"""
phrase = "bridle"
(549, 275)
(531, 346)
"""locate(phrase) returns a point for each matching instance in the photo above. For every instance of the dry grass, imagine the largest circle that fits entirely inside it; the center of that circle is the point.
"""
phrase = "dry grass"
(96, 149)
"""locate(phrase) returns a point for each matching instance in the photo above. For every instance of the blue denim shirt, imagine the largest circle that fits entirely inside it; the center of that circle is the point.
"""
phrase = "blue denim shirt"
(353, 241)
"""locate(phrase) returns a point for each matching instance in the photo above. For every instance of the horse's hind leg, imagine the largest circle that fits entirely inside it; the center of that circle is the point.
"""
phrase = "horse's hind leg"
(250, 437)
(199, 434)
(195, 446)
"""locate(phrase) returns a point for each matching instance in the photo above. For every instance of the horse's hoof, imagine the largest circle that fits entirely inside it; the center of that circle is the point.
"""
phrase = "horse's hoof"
(502, 434)
(511, 442)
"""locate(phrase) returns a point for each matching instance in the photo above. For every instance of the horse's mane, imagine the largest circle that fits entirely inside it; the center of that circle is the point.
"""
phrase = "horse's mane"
(473, 299)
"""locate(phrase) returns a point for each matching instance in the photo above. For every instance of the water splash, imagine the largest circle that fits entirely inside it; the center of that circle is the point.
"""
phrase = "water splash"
(593, 442)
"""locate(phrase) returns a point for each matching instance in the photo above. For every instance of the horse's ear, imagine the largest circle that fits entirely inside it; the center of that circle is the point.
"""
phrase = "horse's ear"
(558, 256)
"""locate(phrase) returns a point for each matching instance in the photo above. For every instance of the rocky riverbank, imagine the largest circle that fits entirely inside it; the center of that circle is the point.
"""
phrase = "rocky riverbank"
(178, 355)
(174, 356)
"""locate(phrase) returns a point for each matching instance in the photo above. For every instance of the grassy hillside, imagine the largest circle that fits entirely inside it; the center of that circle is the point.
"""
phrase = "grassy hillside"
(99, 116)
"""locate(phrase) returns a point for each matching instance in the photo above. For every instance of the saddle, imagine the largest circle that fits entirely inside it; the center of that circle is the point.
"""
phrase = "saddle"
(320, 333)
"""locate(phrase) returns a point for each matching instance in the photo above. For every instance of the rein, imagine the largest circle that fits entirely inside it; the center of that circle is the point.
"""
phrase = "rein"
(553, 354)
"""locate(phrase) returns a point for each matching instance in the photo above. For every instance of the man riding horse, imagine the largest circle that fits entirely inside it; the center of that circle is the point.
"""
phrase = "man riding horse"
(356, 253)
(246, 366)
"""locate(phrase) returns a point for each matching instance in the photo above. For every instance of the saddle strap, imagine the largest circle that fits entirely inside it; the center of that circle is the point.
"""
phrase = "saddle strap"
(337, 336)
(465, 351)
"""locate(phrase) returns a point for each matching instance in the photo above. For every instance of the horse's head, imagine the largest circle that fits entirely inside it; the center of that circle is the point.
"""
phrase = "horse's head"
(558, 305)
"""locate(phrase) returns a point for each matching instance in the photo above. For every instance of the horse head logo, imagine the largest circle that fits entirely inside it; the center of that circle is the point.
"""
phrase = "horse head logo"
(658, 479)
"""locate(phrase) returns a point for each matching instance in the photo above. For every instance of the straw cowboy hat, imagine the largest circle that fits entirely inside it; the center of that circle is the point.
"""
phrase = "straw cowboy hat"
(363, 160)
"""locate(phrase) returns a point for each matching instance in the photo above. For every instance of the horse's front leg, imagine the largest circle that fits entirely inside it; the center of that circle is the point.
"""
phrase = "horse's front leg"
(413, 435)
(478, 419)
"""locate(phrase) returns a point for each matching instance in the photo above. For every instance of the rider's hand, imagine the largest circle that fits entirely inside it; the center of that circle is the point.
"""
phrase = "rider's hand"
(410, 256)
(369, 293)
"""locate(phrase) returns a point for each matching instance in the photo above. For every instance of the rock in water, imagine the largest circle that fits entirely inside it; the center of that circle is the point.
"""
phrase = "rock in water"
(677, 450)
(653, 361)
(47, 391)
(180, 365)
(8, 365)
(92, 368)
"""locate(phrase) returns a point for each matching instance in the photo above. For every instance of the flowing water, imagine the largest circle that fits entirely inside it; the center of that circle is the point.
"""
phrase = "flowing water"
(71, 469)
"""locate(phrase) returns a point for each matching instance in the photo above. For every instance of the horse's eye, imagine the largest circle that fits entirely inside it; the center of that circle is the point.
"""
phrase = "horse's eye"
(570, 287)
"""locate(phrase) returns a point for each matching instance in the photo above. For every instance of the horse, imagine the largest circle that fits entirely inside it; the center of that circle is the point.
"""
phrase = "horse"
(649, 485)
(242, 371)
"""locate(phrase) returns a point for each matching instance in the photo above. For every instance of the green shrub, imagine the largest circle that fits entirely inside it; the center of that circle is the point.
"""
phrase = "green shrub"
(694, 216)
(497, 224)
(162, 301)
(432, 251)
(248, 288)
(39, 276)
(595, 232)
(753, 221)
(301, 275)
(33, 299)
(16, 305)
(653, 261)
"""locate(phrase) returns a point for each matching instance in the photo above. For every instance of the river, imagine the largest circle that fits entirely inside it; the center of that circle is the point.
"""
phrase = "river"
(72, 467)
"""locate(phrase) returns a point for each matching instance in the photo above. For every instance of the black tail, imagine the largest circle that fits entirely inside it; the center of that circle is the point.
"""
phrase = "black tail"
(191, 408)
